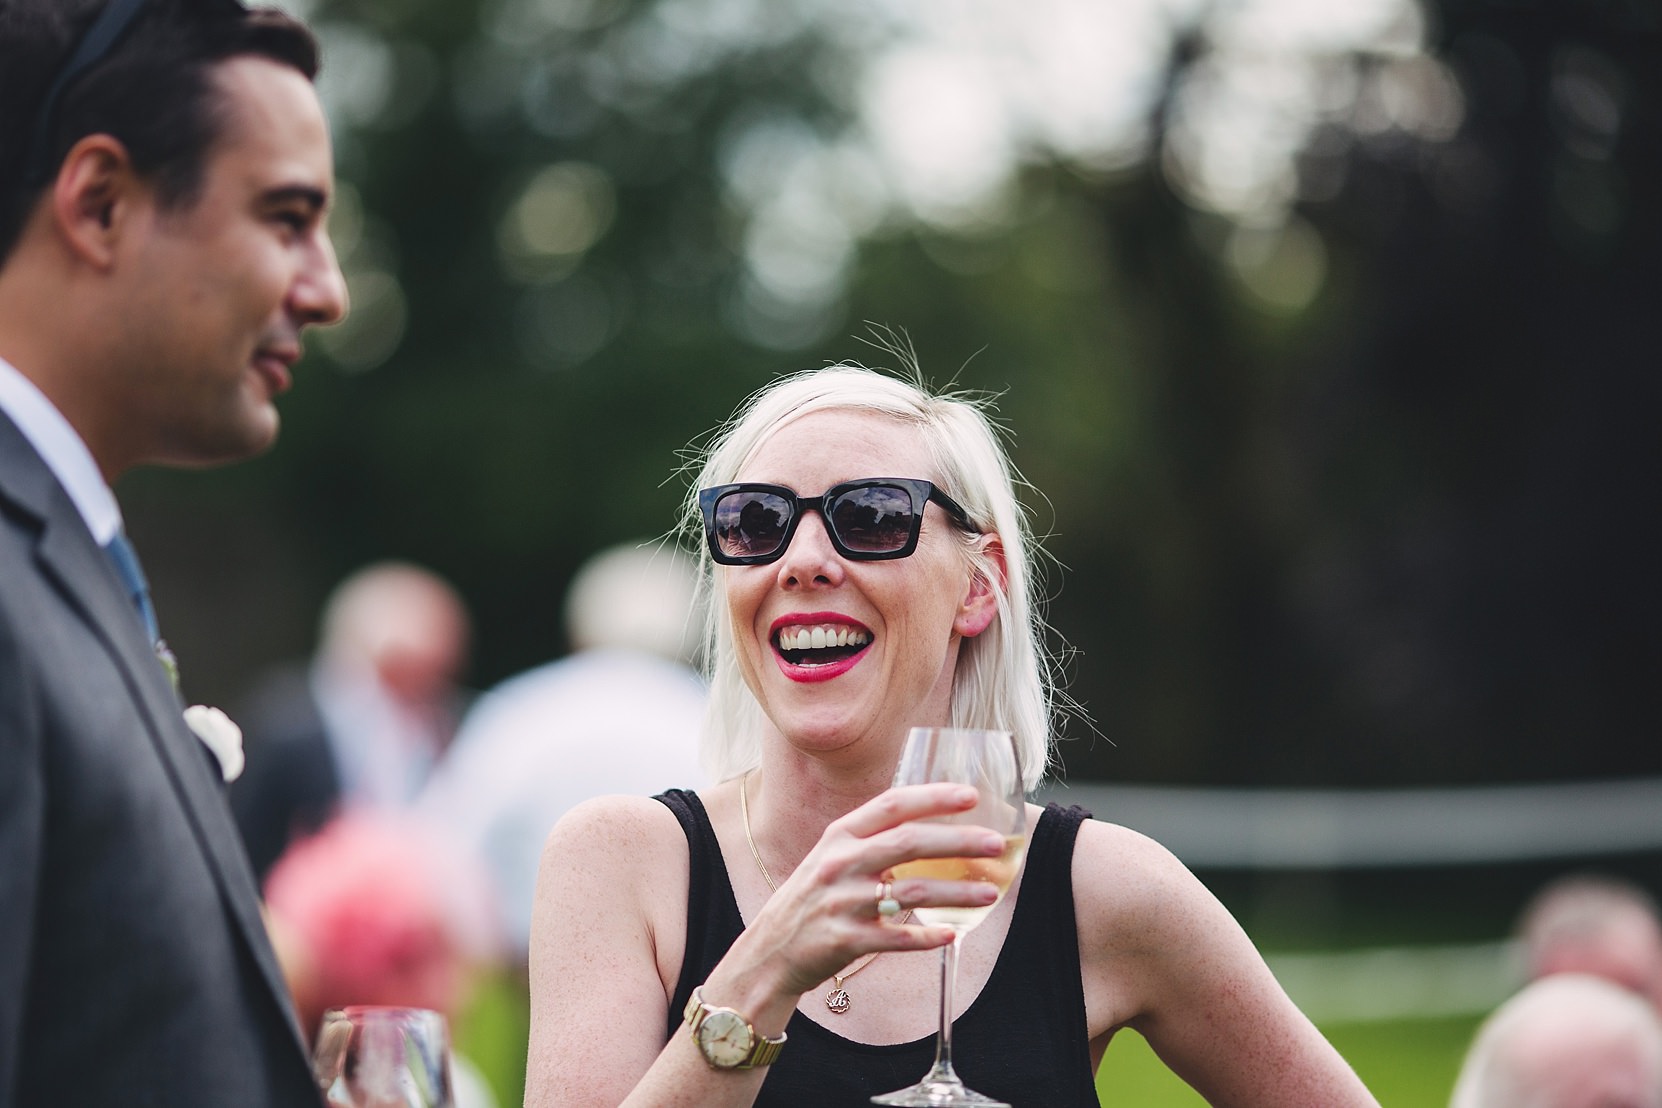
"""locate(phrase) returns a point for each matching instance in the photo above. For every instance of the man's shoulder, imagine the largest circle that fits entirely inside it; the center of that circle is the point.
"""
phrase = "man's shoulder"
(30, 502)
(25, 479)
(577, 698)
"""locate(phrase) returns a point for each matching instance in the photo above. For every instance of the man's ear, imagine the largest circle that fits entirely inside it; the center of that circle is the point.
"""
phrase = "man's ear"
(980, 604)
(92, 197)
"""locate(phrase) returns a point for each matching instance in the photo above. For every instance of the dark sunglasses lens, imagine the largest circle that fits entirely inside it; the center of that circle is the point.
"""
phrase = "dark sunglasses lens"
(876, 519)
(751, 524)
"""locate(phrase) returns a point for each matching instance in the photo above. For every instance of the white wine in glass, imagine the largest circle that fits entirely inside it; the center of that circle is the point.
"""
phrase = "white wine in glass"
(382, 1057)
(990, 761)
(998, 872)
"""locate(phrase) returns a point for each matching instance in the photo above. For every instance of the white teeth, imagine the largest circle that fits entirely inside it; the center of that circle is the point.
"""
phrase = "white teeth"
(822, 637)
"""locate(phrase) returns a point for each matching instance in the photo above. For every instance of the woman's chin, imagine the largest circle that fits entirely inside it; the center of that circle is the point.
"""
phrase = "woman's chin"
(827, 733)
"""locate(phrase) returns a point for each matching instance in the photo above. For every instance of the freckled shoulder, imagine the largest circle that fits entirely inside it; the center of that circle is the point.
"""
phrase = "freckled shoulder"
(1137, 907)
(630, 839)
(613, 886)
(1120, 875)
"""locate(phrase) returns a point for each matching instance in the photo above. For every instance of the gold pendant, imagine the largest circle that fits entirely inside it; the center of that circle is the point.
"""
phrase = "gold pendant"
(837, 999)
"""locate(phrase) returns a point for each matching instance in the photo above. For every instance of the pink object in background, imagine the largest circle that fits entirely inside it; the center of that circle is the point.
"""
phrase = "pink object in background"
(373, 909)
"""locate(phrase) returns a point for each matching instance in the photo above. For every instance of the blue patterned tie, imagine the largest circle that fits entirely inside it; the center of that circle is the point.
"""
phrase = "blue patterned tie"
(125, 560)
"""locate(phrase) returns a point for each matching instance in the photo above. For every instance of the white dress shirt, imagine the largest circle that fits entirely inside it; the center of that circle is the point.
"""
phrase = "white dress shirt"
(63, 451)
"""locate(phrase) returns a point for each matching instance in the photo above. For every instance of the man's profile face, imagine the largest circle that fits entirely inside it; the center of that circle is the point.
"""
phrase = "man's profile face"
(221, 288)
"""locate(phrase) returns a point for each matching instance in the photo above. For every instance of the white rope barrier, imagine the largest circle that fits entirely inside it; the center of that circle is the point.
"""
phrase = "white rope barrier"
(1394, 983)
(1290, 829)
(1352, 828)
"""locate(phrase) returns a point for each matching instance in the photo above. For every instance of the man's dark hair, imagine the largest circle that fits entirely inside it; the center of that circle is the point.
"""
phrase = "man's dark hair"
(153, 90)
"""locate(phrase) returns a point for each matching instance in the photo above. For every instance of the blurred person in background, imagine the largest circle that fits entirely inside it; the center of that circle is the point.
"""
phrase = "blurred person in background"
(1569, 1040)
(1598, 924)
(165, 175)
(363, 724)
(619, 714)
(377, 909)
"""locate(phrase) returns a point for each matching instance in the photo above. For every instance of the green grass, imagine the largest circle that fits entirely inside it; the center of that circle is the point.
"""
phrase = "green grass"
(1406, 1064)
(492, 1034)
(1410, 1063)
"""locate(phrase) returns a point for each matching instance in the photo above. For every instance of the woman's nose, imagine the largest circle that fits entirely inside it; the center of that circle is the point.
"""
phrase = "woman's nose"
(811, 555)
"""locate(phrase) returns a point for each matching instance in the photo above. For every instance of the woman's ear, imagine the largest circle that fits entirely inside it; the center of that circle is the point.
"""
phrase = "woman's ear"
(980, 604)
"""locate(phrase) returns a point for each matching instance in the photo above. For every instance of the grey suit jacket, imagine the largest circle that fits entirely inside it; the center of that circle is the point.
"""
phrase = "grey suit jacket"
(134, 969)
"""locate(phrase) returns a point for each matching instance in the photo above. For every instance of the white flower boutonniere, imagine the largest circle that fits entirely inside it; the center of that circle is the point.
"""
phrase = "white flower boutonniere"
(219, 735)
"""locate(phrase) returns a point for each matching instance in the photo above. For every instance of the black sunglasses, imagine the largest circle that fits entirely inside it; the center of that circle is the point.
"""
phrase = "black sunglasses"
(100, 38)
(868, 520)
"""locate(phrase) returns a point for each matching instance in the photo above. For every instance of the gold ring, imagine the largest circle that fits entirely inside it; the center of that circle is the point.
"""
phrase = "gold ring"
(887, 906)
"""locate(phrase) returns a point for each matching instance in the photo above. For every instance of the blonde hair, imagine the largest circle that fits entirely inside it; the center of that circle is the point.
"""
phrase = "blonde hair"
(1004, 678)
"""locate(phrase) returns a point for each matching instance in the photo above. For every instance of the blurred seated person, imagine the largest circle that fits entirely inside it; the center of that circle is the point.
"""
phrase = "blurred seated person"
(1569, 1040)
(1597, 924)
(376, 909)
(364, 722)
(619, 714)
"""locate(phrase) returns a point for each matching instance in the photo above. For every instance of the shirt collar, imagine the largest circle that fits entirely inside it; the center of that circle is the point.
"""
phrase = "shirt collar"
(63, 451)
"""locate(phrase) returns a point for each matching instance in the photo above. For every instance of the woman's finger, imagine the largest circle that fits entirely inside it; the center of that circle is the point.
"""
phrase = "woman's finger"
(905, 803)
(922, 893)
(920, 839)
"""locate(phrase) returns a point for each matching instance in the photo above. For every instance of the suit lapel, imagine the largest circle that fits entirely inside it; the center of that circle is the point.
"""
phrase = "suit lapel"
(68, 557)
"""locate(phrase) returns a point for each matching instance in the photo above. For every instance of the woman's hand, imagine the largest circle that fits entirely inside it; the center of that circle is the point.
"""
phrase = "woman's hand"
(826, 914)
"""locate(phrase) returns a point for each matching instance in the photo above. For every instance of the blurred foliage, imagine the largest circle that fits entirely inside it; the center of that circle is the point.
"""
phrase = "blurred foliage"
(1360, 494)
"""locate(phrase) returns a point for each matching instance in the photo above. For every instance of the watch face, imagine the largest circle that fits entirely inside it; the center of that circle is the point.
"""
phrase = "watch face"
(724, 1037)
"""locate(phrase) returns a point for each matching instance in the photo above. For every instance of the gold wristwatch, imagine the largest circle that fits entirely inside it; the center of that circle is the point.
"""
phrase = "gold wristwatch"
(726, 1039)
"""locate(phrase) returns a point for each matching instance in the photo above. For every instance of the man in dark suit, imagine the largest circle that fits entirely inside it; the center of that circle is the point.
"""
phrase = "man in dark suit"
(165, 172)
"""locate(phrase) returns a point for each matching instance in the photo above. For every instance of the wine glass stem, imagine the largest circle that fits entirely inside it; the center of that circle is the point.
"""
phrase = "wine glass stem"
(943, 1042)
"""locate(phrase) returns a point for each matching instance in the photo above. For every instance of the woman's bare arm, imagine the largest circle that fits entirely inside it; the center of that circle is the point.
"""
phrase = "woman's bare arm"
(1160, 954)
(598, 998)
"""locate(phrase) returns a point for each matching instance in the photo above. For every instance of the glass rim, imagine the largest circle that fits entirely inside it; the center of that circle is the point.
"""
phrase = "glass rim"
(348, 1011)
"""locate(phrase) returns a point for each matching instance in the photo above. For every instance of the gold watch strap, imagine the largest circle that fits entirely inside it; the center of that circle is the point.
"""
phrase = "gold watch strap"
(766, 1050)
(763, 1050)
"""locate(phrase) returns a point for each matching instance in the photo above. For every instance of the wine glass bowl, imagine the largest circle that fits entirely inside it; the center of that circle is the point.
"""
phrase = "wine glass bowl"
(987, 760)
(991, 762)
(369, 1056)
(998, 872)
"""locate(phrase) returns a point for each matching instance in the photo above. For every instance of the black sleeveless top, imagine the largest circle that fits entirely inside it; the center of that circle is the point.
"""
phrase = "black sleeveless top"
(1024, 1040)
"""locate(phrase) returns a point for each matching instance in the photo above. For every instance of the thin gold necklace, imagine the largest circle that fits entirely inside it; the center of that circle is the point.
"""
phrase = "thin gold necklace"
(836, 997)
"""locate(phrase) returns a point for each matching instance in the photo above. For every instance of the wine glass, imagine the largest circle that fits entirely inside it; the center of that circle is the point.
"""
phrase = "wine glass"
(990, 761)
(369, 1056)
